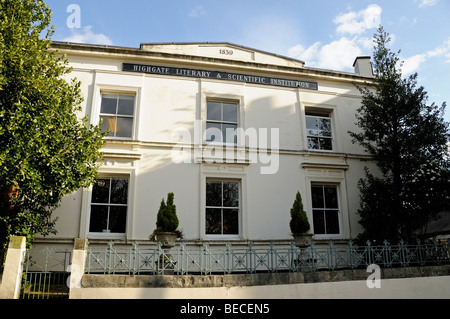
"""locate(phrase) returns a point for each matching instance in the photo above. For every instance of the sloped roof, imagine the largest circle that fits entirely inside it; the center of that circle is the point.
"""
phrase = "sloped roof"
(224, 50)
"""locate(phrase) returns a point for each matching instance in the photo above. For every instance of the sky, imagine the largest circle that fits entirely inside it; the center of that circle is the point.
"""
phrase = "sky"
(324, 34)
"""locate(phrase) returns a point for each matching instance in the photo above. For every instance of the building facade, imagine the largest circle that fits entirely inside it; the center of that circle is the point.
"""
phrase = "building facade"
(233, 132)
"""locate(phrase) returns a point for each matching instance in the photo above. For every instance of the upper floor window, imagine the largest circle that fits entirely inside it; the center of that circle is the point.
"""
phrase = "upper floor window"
(117, 113)
(221, 122)
(319, 132)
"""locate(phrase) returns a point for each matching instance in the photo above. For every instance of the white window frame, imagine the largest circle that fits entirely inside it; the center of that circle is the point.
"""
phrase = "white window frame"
(222, 122)
(116, 115)
(87, 199)
(101, 89)
(327, 116)
(233, 172)
(225, 236)
(321, 184)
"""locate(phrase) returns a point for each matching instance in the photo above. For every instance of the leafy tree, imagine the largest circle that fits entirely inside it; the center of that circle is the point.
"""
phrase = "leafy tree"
(299, 223)
(407, 139)
(46, 151)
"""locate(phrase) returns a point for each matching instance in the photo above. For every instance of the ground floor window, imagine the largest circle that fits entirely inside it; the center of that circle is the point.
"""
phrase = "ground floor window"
(325, 205)
(222, 207)
(109, 205)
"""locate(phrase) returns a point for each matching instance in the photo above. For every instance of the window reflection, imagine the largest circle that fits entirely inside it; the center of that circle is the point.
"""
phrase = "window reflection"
(221, 122)
(109, 205)
(116, 114)
(325, 209)
(319, 133)
(222, 208)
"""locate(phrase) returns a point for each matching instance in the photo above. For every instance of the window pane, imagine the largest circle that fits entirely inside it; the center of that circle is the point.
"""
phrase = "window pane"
(109, 104)
(108, 123)
(117, 219)
(229, 112)
(229, 133)
(99, 218)
(230, 194)
(318, 222)
(313, 143)
(100, 191)
(331, 200)
(213, 221)
(324, 124)
(126, 105)
(317, 197)
(119, 191)
(324, 133)
(214, 111)
(326, 144)
(124, 127)
(231, 221)
(332, 222)
(213, 132)
(311, 123)
(214, 194)
(311, 132)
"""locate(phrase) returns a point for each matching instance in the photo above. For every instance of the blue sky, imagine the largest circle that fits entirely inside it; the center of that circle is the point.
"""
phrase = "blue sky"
(324, 34)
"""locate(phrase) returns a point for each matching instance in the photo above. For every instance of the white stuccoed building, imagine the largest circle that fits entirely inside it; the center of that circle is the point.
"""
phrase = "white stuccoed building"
(232, 131)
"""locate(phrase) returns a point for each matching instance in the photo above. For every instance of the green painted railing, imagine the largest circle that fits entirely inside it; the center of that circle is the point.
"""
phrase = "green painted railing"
(227, 259)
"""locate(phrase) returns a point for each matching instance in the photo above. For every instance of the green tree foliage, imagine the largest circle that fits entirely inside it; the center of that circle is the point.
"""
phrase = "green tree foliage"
(167, 220)
(46, 151)
(407, 139)
(299, 223)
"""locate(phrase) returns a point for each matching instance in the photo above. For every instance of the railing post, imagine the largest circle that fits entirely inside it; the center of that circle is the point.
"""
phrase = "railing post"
(331, 260)
(250, 257)
(420, 252)
(403, 254)
(77, 267)
(350, 255)
(369, 253)
(228, 260)
(313, 264)
(205, 269)
(387, 256)
(12, 273)
(134, 260)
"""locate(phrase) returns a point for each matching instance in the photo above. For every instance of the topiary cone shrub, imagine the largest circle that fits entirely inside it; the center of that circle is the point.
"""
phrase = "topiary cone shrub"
(167, 220)
(299, 223)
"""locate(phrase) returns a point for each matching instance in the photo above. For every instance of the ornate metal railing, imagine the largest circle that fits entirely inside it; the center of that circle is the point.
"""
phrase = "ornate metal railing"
(227, 259)
(45, 274)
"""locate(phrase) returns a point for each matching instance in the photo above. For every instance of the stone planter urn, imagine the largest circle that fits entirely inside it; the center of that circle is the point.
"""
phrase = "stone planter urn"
(167, 239)
(165, 262)
(302, 240)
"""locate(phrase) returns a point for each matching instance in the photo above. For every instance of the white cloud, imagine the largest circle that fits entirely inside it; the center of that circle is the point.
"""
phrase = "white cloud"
(308, 54)
(358, 22)
(412, 64)
(341, 53)
(337, 55)
(427, 3)
(197, 12)
(87, 36)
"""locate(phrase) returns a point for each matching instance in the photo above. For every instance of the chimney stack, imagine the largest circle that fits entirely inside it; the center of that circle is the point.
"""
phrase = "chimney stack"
(363, 66)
